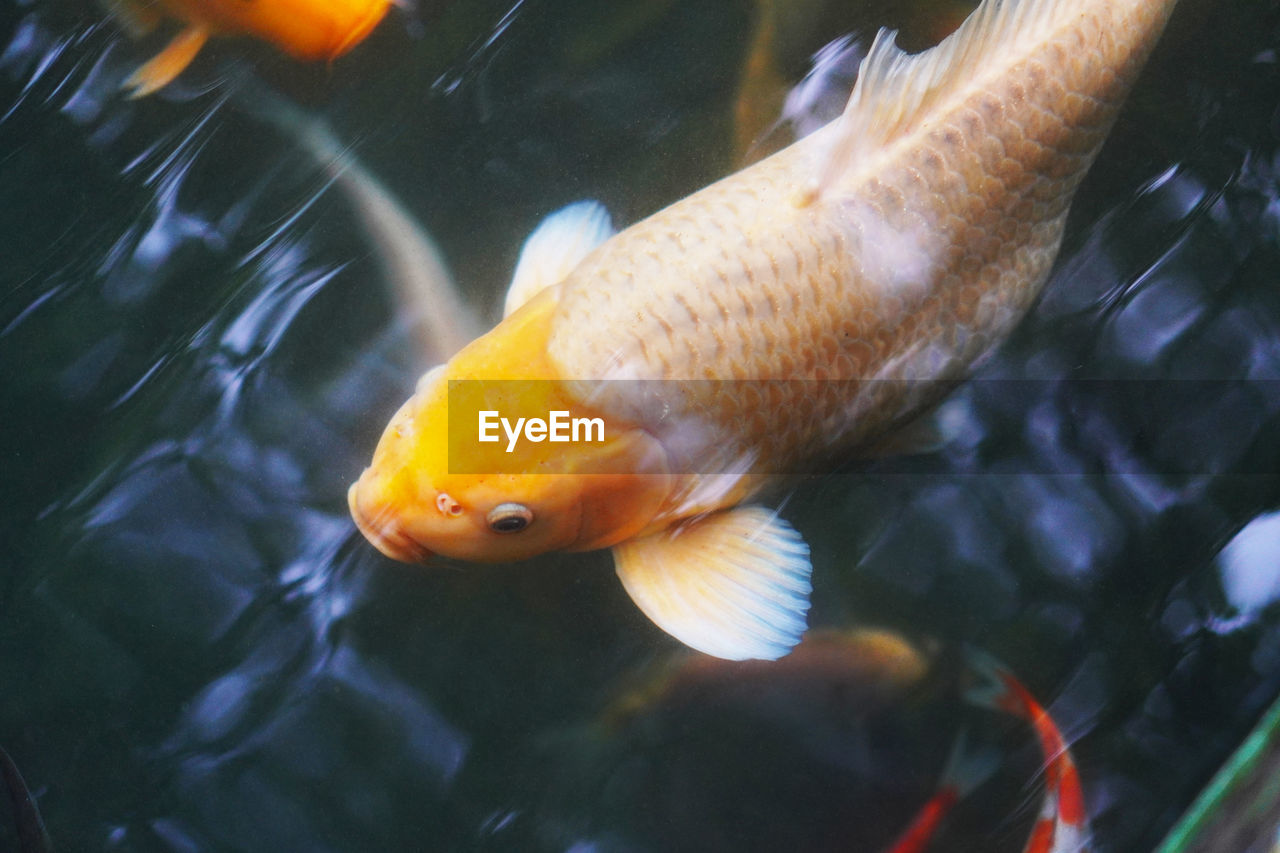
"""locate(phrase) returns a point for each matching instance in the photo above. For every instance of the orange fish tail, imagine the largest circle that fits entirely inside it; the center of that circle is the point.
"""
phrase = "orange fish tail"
(162, 68)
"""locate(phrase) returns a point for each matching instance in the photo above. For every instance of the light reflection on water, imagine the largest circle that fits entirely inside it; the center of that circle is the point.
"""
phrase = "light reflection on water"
(197, 357)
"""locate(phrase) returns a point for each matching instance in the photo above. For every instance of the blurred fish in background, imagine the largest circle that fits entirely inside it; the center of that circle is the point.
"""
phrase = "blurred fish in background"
(893, 722)
(304, 29)
(409, 260)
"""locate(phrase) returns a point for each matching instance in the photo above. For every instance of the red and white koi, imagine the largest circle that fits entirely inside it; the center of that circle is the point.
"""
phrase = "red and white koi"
(1063, 823)
(965, 770)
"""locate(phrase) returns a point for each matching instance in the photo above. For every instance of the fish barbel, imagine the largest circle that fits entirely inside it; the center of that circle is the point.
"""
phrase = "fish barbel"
(787, 316)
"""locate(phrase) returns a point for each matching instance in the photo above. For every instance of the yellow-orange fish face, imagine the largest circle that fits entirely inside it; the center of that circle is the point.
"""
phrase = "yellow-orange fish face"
(410, 506)
(490, 520)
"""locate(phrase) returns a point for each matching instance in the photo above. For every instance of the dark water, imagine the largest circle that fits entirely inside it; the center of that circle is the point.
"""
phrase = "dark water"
(197, 354)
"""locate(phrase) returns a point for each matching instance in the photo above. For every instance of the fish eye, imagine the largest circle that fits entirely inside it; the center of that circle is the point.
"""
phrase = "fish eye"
(509, 518)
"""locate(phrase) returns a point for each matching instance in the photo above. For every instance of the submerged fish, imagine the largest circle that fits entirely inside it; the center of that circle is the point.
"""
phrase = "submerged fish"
(964, 771)
(410, 261)
(304, 29)
(1062, 826)
(859, 672)
(860, 669)
(793, 313)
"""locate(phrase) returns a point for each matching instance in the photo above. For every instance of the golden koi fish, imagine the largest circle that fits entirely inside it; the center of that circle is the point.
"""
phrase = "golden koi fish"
(788, 315)
(304, 29)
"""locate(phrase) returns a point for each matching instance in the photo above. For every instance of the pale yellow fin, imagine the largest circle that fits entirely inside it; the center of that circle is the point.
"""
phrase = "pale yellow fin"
(555, 247)
(137, 19)
(733, 584)
(160, 70)
(895, 89)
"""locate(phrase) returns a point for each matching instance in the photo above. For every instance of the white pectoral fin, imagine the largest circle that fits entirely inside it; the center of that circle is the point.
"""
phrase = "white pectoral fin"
(555, 247)
(733, 584)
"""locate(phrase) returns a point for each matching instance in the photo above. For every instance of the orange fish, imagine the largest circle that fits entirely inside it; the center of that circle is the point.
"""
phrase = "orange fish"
(304, 29)
(789, 316)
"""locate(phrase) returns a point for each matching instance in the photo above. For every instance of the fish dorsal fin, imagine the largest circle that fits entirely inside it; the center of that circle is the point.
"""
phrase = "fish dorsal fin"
(555, 247)
(733, 584)
(895, 89)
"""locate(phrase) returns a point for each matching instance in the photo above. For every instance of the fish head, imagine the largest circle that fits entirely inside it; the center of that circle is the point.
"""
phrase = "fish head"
(434, 488)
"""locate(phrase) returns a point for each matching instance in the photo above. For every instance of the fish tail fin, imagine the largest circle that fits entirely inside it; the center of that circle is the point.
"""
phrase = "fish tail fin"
(160, 70)
(895, 89)
(1064, 820)
(965, 770)
(994, 685)
(1001, 690)
(967, 767)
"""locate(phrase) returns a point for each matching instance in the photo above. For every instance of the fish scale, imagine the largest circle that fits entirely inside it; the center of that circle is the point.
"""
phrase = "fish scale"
(905, 271)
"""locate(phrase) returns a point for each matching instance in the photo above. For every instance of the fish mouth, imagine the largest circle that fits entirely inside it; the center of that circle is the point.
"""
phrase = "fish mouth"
(385, 535)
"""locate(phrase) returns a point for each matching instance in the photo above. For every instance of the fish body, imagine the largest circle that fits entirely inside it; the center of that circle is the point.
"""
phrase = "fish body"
(857, 670)
(304, 29)
(922, 245)
(965, 770)
(1062, 825)
(791, 314)
(410, 261)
